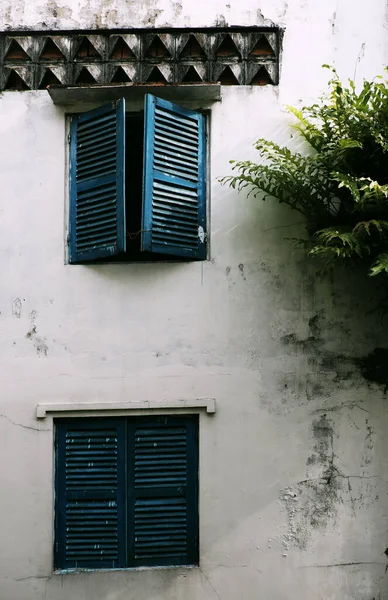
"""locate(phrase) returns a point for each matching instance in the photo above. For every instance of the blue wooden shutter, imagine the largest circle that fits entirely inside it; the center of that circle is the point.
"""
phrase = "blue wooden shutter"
(163, 491)
(90, 494)
(174, 187)
(97, 183)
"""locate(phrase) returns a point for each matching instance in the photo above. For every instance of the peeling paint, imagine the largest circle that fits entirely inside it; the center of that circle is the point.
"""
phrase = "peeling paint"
(312, 503)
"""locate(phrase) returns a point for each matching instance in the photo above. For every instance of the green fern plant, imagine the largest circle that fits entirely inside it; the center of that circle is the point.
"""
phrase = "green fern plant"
(341, 186)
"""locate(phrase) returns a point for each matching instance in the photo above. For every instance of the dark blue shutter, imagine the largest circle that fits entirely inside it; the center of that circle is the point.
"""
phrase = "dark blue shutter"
(174, 187)
(90, 494)
(97, 183)
(163, 491)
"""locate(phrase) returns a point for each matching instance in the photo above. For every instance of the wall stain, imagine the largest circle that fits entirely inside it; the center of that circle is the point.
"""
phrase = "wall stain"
(332, 22)
(374, 367)
(112, 16)
(220, 21)
(264, 267)
(241, 269)
(177, 8)
(153, 15)
(53, 11)
(17, 308)
(314, 324)
(367, 458)
(312, 503)
(38, 341)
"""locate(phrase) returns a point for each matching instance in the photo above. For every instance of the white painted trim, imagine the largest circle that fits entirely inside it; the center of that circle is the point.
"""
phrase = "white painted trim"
(199, 403)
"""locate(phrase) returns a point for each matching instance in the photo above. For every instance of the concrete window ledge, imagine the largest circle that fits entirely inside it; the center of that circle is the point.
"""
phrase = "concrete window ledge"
(98, 94)
(149, 406)
(81, 571)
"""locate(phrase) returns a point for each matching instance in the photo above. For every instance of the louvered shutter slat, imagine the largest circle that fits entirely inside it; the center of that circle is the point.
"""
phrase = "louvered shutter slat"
(97, 184)
(90, 518)
(174, 180)
(163, 492)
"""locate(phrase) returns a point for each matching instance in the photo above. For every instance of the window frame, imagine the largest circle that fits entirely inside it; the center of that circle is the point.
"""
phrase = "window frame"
(145, 255)
(127, 493)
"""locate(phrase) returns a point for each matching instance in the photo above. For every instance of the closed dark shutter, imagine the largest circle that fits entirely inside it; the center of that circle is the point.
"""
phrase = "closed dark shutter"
(126, 492)
(174, 189)
(90, 489)
(97, 183)
(163, 491)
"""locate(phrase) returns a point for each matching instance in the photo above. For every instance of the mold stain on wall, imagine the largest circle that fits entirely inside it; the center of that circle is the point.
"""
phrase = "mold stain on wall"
(310, 504)
(39, 342)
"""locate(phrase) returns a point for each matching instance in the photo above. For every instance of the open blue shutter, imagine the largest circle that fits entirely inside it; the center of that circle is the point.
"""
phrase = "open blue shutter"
(97, 183)
(163, 491)
(174, 187)
(90, 494)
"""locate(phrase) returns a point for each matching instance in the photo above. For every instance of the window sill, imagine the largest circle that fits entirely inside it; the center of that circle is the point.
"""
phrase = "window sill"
(91, 408)
(121, 570)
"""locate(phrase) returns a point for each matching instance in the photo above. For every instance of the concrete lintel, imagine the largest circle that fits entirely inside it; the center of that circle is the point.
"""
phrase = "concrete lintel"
(199, 403)
(96, 94)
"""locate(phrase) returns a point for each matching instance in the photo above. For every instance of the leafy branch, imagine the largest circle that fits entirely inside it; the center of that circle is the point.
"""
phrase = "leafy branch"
(341, 186)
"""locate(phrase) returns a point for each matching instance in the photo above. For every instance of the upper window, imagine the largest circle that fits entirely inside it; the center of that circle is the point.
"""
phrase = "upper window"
(126, 492)
(137, 183)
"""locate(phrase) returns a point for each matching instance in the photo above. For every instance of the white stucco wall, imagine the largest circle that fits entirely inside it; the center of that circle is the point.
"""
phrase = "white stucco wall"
(254, 327)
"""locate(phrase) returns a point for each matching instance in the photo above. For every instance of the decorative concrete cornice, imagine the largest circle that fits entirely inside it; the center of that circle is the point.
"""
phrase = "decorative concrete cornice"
(231, 56)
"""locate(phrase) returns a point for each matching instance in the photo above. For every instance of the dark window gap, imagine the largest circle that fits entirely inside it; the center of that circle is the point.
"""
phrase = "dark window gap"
(134, 150)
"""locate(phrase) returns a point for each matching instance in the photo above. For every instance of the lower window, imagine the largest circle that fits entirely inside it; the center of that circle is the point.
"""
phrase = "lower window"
(126, 492)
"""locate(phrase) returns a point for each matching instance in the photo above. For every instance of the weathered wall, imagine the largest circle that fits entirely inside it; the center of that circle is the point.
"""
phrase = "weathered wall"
(294, 476)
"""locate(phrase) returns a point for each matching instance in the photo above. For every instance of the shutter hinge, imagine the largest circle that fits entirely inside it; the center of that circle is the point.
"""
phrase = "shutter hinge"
(69, 138)
(68, 239)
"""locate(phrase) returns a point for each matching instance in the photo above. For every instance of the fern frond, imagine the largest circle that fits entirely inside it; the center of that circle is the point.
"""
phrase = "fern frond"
(349, 182)
(380, 265)
(341, 184)
(343, 242)
(371, 227)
